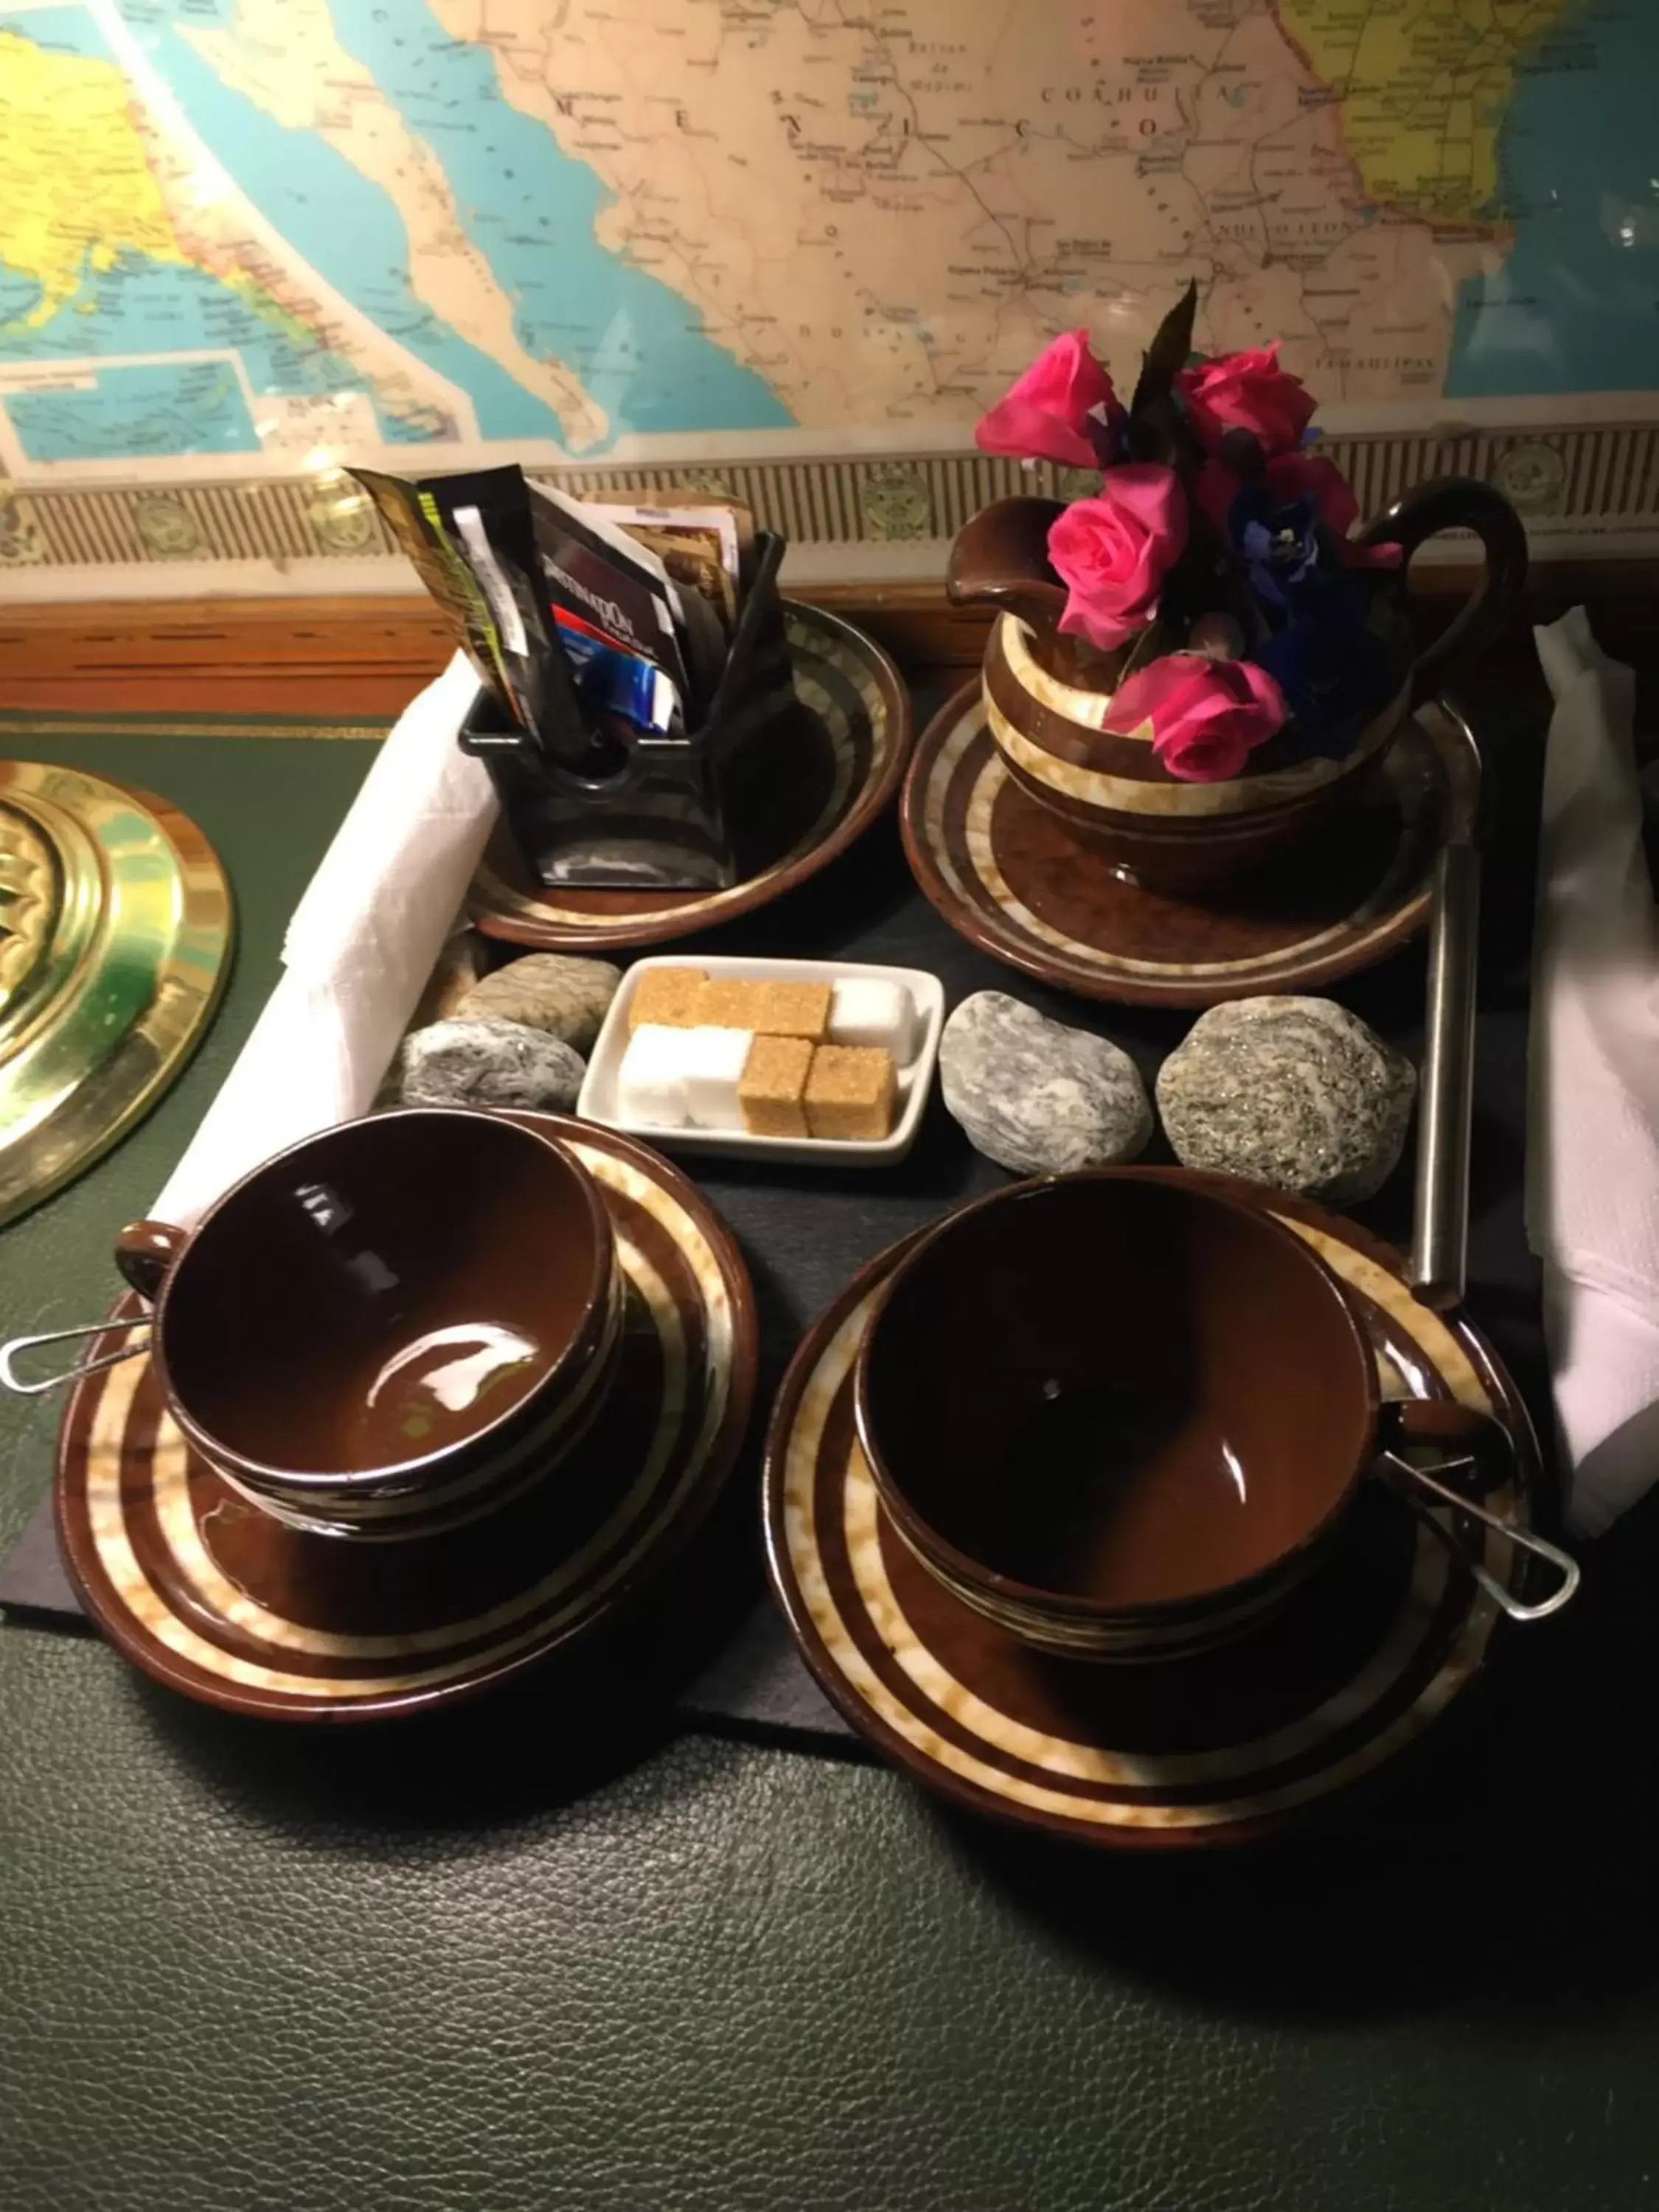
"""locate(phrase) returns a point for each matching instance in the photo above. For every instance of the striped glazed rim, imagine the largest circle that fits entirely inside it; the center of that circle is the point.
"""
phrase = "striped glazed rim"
(1351, 1671)
(205, 1592)
(855, 695)
(1011, 878)
(1067, 750)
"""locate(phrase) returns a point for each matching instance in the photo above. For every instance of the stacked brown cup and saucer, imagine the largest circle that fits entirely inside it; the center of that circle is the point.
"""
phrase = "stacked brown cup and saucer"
(423, 1399)
(1149, 1507)
(1068, 851)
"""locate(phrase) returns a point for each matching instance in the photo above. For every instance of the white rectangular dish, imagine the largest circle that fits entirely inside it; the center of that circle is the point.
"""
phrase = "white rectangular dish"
(597, 1101)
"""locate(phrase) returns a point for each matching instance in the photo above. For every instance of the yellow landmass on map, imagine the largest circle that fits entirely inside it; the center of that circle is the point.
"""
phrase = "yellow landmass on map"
(89, 178)
(1424, 87)
(76, 190)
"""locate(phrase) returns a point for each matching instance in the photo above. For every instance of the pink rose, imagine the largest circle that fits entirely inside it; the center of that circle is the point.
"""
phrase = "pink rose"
(1115, 551)
(1246, 390)
(1045, 416)
(1292, 477)
(1207, 716)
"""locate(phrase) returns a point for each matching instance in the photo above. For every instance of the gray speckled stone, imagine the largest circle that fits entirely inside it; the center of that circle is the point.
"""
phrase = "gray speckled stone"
(1036, 1096)
(1294, 1092)
(551, 991)
(486, 1063)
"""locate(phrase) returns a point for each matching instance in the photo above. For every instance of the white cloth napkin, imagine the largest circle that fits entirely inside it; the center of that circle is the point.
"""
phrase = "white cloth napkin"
(1592, 1134)
(358, 948)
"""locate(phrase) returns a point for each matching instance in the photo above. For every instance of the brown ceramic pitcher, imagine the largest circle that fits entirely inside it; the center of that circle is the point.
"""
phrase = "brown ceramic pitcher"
(1047, 697)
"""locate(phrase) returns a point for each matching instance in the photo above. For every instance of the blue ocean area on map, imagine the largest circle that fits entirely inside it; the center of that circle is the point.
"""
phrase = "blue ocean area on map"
(341, 222)
(176, 340)
(1575, 305)
(162, 407)
(145, 306)
(639, 349)
(635, 344)
(138, 307)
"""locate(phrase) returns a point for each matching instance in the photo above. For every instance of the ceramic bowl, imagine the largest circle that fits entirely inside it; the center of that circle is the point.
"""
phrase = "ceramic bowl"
(391, 1325)
(1117, 1416)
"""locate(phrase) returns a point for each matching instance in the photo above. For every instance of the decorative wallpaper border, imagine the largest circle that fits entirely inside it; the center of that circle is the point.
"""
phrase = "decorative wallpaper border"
(1598, 483)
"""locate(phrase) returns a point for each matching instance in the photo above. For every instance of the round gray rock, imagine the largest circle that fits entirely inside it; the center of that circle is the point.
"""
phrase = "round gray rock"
(486, 1063)
(1036, 1096)
(1294, 1092)
(566, 998)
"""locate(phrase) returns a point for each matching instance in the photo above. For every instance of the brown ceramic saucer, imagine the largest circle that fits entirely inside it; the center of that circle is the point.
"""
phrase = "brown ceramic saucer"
(1224, 1746)
(1007, 875)
(215, 1598)
(808, 794)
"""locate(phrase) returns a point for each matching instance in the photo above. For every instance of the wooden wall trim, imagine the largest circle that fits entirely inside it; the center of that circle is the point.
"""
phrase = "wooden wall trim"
(367, 656)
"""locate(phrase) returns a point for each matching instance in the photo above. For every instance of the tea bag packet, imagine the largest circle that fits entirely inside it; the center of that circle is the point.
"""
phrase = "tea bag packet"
(698, 546)
(627, 652)
(597, 574)
(444, 576)
(470, 539)
(484, 516)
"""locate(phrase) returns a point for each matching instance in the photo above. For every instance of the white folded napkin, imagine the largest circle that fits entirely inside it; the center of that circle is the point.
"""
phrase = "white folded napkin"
(1593, 1133)
(359, 949)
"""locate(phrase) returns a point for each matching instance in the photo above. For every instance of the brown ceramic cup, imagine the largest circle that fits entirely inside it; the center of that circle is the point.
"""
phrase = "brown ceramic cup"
(1118, 1416)
(388, 1329)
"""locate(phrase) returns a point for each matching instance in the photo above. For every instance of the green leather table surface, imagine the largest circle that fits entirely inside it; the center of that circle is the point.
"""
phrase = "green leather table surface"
(504, 1961)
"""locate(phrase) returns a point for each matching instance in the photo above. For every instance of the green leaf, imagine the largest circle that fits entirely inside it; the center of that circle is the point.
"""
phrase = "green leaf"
(1156, 432)
(1172, 341)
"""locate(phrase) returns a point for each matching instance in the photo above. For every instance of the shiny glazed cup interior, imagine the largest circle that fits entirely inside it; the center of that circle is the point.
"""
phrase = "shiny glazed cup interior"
(383, 1325)
(1116, 1415)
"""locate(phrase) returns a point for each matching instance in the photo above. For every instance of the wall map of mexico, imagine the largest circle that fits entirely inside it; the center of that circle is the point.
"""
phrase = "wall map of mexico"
(289, 231)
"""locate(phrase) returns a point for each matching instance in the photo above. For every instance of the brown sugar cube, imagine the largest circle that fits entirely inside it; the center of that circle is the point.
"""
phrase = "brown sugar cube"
(772, 1093)
(666, 996)
(726, 1002)
(797, 1009)
(849, 1091)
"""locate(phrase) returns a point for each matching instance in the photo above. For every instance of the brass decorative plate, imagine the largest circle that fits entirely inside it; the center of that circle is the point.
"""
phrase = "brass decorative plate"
(115, 936)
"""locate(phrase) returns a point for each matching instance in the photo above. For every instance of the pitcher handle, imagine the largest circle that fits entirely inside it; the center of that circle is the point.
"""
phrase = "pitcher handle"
(1459, 503)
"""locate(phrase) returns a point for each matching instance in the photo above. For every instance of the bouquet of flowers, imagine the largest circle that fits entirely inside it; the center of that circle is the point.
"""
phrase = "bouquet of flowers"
(1214, 568)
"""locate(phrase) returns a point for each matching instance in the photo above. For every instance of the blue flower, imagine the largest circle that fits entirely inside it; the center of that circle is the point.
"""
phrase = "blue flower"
(1317, 642)
(1335, 669)
(1281, 545)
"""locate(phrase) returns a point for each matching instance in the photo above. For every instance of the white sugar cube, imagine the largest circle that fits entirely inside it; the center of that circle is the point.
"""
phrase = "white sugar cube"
(865, 1010)
(714, 1060)
(650, 1081)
